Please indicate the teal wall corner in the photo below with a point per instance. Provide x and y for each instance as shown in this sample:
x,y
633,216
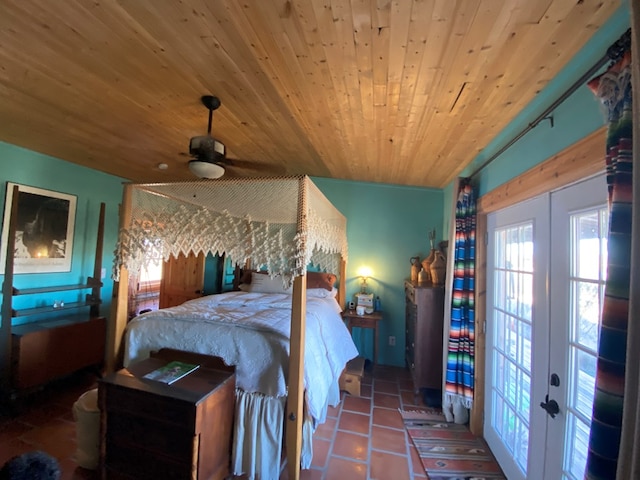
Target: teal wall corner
x,y
386,226
91,188
578,116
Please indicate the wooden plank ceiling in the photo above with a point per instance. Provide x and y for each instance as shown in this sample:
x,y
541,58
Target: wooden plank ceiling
x,y
402,92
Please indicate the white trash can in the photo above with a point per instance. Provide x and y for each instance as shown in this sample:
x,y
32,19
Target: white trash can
x,y
87,416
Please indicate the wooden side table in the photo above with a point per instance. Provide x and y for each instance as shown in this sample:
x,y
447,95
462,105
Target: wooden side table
x,y
368,320
153,430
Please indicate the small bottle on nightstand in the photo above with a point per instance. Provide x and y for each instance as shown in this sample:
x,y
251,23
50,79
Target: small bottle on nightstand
x,y
377,305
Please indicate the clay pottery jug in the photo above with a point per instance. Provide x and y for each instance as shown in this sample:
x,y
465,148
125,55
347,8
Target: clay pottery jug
x,y
438,268
415,268
426,264
423,277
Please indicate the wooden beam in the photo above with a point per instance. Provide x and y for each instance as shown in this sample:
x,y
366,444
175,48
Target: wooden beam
x,y
581,160
342,287
295,394
97,265
295,390
120,297
7,297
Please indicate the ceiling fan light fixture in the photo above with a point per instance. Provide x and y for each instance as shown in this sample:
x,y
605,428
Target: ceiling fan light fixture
x,y
204,169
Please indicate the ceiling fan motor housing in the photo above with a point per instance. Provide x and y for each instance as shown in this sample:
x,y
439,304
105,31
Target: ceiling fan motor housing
x,y
207,148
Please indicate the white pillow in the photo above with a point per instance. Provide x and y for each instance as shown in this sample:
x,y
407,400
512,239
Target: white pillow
x,y
261,283
322,292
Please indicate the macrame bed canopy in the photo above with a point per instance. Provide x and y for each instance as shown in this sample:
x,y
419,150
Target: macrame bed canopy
x,y
281,223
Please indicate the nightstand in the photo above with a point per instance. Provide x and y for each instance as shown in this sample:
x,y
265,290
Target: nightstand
x,y
368,320
152,430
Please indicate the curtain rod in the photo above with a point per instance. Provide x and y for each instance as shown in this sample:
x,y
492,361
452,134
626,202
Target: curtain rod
x,y
614,53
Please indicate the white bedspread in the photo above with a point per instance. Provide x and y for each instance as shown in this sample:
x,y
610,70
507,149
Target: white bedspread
x,y
250,331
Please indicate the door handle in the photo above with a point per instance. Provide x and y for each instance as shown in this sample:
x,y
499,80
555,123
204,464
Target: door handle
x,y
550,406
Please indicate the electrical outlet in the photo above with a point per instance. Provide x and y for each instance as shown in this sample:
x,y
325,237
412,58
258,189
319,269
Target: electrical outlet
x,y
103,273
392,340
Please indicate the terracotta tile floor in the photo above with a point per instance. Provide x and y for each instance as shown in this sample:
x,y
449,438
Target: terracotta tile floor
x,y
363,437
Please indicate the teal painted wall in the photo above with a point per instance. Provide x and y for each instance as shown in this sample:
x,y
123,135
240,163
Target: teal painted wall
x,y
386,225
91,188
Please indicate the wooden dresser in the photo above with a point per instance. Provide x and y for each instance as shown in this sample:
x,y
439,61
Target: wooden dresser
x,y
66,331
43,351
424,311
152,430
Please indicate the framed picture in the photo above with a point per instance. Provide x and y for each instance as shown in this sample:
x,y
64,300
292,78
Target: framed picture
x,y
44,230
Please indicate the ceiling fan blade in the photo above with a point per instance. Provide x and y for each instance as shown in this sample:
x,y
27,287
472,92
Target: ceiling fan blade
x,y
248,165
234,162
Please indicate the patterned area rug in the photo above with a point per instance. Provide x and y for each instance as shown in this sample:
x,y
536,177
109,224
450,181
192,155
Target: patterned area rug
x,y
449,451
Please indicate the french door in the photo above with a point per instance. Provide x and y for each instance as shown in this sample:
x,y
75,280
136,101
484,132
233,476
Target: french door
x,y
546,264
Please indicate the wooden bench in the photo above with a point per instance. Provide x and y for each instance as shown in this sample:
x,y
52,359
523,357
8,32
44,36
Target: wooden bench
x,y
351,378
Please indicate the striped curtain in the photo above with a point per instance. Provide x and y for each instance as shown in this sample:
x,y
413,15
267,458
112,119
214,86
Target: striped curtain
x,y
629,458
613,89
460,357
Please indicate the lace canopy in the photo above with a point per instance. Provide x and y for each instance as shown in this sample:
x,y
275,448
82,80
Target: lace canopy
x,y
281,223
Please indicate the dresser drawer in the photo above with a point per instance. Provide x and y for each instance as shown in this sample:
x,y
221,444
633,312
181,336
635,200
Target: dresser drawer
x,y
126,461
410,354
150,435
165,410
410,293
361,322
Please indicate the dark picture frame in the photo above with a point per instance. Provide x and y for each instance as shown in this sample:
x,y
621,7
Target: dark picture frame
x,y
44,233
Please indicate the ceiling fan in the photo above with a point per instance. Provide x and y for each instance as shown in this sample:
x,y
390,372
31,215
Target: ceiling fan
x,y
207,152
209,155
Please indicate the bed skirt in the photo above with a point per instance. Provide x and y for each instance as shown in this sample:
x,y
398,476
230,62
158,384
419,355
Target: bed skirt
x,y
258,437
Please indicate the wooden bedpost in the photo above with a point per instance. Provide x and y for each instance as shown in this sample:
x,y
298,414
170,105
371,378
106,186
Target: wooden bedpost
x,y
342,287
120,300
295,392
295,395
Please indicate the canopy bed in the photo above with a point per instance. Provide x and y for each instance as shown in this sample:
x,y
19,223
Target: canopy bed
x,y
283,225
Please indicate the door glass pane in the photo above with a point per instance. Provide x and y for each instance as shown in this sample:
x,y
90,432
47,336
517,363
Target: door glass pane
x,y
525,400
586,381
604,226
525,338
588,234
511,350
501,289
522,443
587,301
500,380
588,270
578,444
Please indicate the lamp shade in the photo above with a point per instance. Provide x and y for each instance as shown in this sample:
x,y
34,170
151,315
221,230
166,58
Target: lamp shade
x,y
365,272
206,169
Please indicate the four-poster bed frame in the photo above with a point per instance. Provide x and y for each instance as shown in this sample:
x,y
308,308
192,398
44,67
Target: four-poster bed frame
x,y
282,223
